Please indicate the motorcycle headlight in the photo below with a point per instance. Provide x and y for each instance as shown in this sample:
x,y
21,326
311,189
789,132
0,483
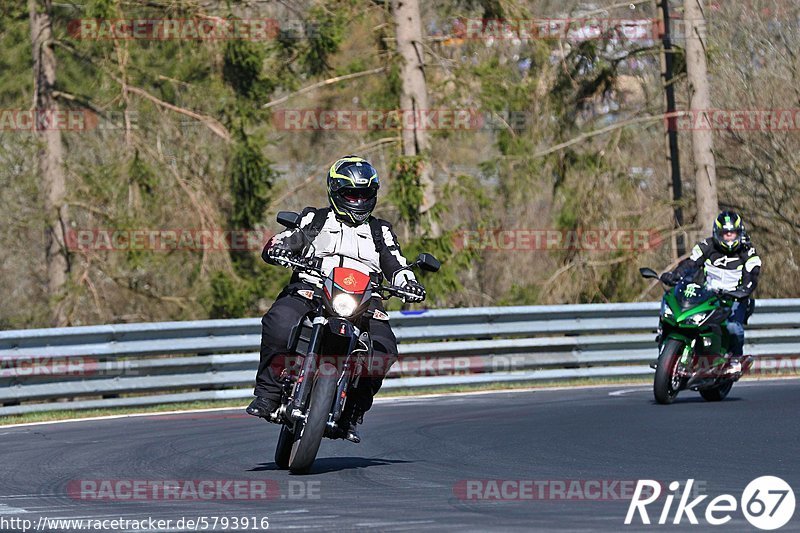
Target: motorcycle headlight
x,y
344,304
699,318
667,311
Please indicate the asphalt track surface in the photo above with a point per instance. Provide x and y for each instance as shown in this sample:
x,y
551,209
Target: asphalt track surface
x,y
410,471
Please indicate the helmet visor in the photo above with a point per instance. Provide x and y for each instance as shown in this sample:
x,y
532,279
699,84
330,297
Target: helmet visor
x,y
730,234
357,196
339,183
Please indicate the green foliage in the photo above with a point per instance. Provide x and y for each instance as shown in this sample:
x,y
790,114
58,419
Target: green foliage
x,y
101,9
16,45
406,192
388,97
575,194
231,296
252,177
470,187
617,281
328,27
445,283
141,174
522,294
242,69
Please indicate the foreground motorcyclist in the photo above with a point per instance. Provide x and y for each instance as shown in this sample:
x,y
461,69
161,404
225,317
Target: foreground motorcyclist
x,y
729,262
344,234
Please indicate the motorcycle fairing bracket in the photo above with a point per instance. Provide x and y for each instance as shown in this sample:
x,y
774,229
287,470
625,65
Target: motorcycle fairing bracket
x,y
294,334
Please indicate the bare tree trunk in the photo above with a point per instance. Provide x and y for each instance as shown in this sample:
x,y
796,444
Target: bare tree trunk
x,y
672,150
414,96
700,104
50,157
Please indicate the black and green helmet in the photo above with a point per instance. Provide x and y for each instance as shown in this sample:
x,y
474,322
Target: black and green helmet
x,y
728,222
353,189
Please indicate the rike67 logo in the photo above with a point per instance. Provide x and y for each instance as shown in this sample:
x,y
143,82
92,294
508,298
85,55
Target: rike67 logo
x,y
767,503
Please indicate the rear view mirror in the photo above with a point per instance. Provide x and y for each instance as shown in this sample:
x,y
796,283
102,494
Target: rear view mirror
x,y
648,273
428,263
289,219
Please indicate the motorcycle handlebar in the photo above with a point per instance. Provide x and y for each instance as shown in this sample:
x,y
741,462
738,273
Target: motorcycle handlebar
x,y
304,266
722,293
300,264
393,290
731,294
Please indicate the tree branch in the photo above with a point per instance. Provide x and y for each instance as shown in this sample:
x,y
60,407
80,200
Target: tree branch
x,y
323,83
602,131
210,123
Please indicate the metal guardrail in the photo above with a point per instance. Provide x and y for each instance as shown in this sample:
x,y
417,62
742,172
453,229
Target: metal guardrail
x,y
154,363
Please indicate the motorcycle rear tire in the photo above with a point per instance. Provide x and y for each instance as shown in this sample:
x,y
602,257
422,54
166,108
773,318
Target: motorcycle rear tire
x,y
718,393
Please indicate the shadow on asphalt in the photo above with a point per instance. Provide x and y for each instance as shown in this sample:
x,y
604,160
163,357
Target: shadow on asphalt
x,y
335,464
698,399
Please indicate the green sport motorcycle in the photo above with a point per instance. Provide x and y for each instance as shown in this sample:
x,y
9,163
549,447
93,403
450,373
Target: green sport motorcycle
x,y
693,341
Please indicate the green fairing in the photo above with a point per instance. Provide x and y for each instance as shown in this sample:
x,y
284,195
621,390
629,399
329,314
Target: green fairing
x,y
679,327
678,316
704,307
678,337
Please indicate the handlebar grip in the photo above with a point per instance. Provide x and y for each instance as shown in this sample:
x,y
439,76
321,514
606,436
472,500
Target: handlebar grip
x,y
392,291
299,263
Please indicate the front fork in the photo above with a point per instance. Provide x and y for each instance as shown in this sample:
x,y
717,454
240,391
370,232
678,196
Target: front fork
x,y
302,390
344,382
298,401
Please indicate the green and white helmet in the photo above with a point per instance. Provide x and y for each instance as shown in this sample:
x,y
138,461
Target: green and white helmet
x,y
353,189
728,222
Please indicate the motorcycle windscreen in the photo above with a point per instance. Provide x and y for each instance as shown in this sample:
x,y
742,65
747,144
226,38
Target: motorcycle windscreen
x,y
690,294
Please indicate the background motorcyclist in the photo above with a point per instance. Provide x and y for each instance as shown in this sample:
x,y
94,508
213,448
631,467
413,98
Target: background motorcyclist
x,y
729,262
344,234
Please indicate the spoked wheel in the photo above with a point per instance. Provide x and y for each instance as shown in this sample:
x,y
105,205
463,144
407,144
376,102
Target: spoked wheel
x,y
667,382
718,393
284,448
309,436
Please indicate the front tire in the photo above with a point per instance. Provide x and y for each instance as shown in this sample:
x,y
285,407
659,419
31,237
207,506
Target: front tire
x,y
309,436
718,393
666,384
283,450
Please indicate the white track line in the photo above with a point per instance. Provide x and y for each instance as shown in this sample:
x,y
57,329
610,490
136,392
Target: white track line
x,y
389,400
7,509
746,383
